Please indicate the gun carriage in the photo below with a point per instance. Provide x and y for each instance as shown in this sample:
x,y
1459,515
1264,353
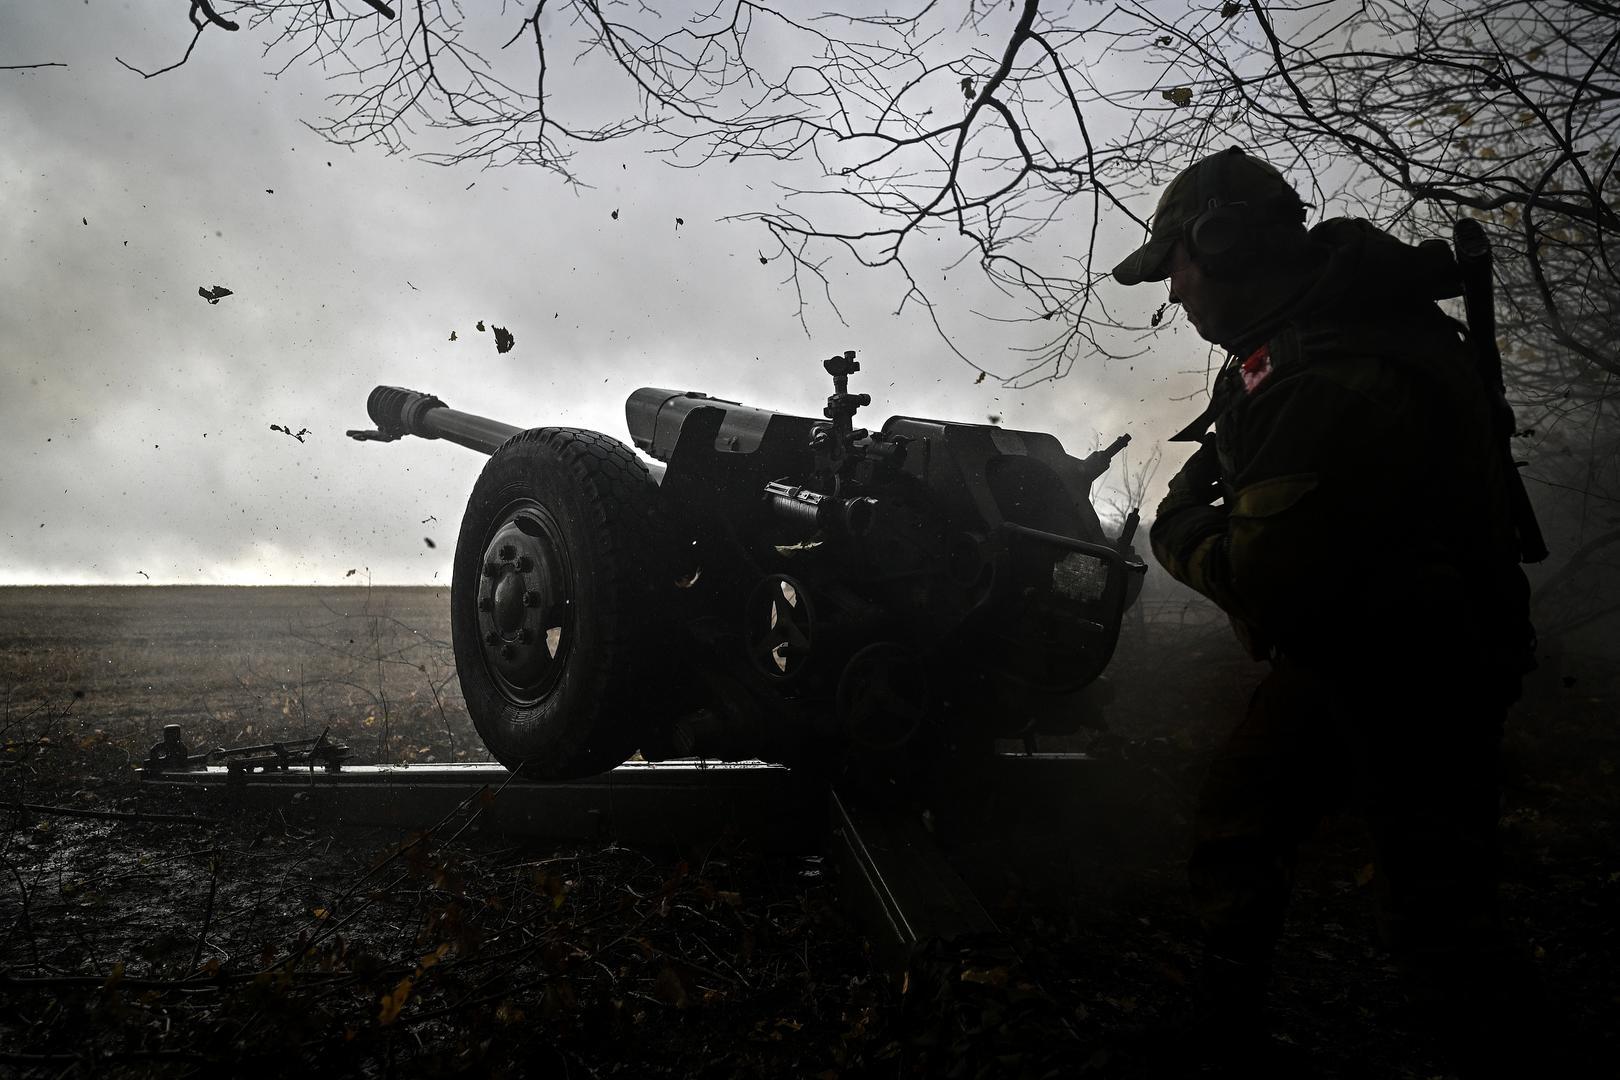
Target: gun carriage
x,y
771,585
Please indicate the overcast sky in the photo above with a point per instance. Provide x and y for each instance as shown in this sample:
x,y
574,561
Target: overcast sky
x,y
135,417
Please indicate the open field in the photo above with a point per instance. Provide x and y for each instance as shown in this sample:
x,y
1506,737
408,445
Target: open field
x,y
150,948
235,665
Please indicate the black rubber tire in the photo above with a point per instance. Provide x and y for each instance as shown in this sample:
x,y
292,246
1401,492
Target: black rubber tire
x,y
591,709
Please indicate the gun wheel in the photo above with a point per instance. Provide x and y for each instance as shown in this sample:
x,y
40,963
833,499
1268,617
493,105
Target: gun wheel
x,y
549,603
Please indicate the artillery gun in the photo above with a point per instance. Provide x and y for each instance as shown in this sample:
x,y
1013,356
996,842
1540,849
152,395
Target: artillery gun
x,y
772,586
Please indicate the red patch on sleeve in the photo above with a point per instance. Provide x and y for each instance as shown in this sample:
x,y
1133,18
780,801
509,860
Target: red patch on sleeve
x,y
1255,368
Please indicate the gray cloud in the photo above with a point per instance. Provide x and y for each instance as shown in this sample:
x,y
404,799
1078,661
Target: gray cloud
x,y
136,416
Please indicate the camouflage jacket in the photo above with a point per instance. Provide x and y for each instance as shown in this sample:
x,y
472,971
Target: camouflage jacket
x,y
1362,515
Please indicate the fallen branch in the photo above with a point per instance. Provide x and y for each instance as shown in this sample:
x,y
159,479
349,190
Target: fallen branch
x,y
188,1056
108,815
198,982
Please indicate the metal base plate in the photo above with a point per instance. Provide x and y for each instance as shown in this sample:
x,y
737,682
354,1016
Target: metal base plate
x,y
653,803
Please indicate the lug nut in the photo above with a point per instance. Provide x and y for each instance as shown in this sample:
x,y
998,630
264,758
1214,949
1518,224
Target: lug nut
x,y
507,553
525,635
492,638
524,564
493,569
507,652
485,604
531,599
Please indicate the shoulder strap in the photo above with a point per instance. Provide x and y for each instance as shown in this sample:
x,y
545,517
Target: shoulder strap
x,y
1219,401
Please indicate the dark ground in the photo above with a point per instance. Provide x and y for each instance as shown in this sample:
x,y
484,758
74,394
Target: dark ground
x,y
143,947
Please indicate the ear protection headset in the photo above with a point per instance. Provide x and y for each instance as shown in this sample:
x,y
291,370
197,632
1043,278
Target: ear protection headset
x,y
1223,233
1216,235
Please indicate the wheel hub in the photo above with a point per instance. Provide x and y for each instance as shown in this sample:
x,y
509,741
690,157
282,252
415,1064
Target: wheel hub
x,y
781,627
883,695
525,604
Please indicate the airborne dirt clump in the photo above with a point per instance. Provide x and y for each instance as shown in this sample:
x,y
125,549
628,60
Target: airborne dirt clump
x,y
145,945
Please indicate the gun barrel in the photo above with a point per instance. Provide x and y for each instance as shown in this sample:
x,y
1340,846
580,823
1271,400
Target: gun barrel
x,y
397,411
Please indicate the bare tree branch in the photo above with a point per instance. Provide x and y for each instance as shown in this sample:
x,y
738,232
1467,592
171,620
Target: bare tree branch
x,y
171,67
1005,144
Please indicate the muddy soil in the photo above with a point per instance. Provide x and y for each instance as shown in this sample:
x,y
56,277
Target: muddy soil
x,y
154,937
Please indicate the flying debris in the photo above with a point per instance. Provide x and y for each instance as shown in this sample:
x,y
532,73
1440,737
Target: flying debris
x,y
679,222
349,574
995,418
299,434
413,287
429,518
428,540
615,215
144,574
503,339
214,295
980,379
452,335
480,326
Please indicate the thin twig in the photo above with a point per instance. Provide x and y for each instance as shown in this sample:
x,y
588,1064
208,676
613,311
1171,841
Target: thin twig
x,y
171,67
27,921
208,912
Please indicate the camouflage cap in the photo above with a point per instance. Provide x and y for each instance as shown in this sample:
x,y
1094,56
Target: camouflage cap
x,y
1210,181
